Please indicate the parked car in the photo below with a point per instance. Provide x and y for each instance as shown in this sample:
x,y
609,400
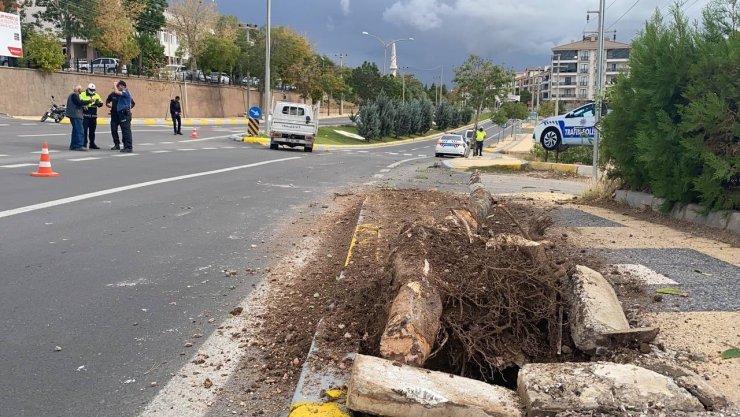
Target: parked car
x,y
196,76
105,65
575,128
253,82
172,72
451,145
469,136
219,78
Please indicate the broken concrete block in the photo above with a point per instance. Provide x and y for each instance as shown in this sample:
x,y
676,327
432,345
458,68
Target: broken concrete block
x,y
705,393
385,388
625,337
593,309
549,389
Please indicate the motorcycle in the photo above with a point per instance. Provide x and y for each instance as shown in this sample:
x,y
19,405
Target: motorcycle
x,y
57,112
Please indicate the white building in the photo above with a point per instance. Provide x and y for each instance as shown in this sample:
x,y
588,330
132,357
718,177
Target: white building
x,y
574,77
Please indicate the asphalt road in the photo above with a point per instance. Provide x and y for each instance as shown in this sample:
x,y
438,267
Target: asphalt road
x,y
119,260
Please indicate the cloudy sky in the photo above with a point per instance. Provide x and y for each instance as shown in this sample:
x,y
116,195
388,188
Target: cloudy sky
x,y
516,33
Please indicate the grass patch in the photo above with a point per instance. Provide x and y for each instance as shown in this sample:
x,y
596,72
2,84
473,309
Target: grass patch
x,y
421,177
601,190
328,136
581,155
494,169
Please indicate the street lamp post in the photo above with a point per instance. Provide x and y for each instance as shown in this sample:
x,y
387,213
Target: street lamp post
x,y
268,40
341,71
600,78
385,47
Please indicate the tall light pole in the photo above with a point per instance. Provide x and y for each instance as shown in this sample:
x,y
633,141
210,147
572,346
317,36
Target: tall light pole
x,y
599,87
341,71
268,40
385,47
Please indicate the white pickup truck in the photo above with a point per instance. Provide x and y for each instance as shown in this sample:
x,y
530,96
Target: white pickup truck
x,y
293,124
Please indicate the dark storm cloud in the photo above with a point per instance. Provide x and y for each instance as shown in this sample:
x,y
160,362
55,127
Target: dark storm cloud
x,y
517,33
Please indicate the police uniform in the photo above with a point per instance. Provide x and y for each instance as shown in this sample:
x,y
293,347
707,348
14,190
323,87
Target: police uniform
x,y
480,137
90,115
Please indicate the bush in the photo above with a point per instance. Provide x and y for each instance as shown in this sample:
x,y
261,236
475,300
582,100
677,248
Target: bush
x,y
44,51
445,116
426,116
674,128
368,121
573,155
386,114
403,120
466,115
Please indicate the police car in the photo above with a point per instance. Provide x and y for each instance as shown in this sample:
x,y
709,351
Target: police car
x,y
575,128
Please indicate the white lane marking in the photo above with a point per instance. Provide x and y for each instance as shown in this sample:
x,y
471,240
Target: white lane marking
x,y
125,154
363,151
408,154
81,197
186,149
399,163
392,153
228,147
29,124
645,274
162,151
208,149
203,139
145,144
421,155
4,125
3,155
43,135
92,158
17,165
385,170
50,151
166,143
378,175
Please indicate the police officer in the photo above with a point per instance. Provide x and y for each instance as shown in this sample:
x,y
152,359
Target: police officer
x,y
112,103
480,137
90,115
176,113
123,108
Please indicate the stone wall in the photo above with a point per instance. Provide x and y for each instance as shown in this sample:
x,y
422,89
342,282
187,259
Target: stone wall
x,y
26,92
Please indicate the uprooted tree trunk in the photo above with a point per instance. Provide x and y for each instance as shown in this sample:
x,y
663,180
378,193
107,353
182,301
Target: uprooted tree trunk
x,y
414,316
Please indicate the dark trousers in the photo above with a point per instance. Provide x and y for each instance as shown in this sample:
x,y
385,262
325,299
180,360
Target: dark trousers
x,y
478,148
90,124
114,123
124,119
78,140
176,122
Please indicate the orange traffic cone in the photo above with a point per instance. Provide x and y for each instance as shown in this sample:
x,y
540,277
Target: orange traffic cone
x,y
45,164
194,135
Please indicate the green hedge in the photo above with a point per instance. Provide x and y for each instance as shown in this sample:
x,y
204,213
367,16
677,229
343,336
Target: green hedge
x,y
674,128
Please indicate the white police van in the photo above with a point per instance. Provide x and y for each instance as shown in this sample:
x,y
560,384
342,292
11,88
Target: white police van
x,y
575,128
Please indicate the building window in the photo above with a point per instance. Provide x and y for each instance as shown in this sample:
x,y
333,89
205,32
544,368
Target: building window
x,y
622,53
584,69
584,81
583,93
584,55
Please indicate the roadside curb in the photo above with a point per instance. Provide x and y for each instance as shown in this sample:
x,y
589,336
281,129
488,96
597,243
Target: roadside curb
x,y
512,165
728,220
320,391
163,122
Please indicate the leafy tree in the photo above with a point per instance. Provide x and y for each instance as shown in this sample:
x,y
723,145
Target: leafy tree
x,y
404,120
415,112
547,109
42,49
151,18
288,48
466,115
192,21
8,6
482,82
386,113
115,28
218,54
365,81
368,121
151,55
426,116
517,111
674,126
444,116
525,96
70,18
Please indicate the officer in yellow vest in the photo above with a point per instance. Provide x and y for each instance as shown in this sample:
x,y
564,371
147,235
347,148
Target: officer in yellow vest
x,y
90,115
480,137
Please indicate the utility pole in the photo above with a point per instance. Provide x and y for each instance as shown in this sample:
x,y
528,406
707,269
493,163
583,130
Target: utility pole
x,y
600,76
341,71
268,40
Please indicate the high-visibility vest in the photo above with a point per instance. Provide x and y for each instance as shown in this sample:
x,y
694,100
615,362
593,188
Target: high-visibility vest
x,y
94,98
480,136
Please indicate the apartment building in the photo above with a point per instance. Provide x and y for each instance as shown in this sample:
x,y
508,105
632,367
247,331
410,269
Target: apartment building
x,y
536,81
574,75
